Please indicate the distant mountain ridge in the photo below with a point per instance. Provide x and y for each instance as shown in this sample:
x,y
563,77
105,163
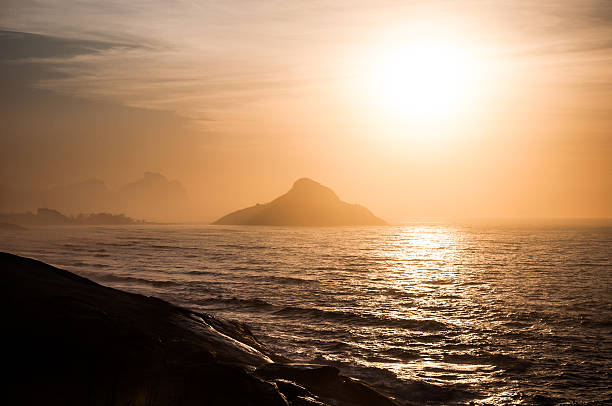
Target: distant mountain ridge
x,y
50,217
307,203
152,197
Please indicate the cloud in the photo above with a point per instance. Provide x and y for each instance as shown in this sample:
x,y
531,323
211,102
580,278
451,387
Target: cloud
x,y
182,57
203,59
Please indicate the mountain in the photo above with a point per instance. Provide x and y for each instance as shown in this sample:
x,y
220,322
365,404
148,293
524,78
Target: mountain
x,y
308,203
154,197
11,227
90,195
50,217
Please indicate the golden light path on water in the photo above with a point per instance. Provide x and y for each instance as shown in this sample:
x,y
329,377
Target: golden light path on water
x,y
441,248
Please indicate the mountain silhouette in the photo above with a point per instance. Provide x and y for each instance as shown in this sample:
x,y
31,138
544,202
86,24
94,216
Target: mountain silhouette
x,y
51,217
308,203
91,195
152,197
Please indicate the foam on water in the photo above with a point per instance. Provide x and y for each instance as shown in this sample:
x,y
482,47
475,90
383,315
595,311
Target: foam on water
x,y
427,313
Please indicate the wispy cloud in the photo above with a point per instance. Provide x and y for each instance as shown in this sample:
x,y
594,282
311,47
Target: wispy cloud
x,y
203,58
183,56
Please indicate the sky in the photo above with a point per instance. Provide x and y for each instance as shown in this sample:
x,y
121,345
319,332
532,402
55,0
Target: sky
x,y
439,109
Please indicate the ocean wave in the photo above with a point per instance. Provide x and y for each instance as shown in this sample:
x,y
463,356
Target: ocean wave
x,y
117,244
202,272
285,280
412,391
431,338
98,265
354,318
506,362
603,324
325,268
119,278
80,264
400,293
438,282
242,247
402,354
254,302
420,391
81,248
164,247
471,283
120,237
449,296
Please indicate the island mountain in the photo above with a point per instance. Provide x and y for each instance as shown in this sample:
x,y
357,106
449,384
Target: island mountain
x,y
308,203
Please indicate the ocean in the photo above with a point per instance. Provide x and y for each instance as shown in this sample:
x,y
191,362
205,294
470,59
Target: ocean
x,y
426,313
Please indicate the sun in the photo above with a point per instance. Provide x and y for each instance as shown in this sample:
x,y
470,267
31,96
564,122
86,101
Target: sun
x,y
423,79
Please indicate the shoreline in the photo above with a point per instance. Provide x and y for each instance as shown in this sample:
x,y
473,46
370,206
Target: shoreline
x,y
74,341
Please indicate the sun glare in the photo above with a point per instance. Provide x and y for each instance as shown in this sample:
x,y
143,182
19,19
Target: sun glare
x,y
423,80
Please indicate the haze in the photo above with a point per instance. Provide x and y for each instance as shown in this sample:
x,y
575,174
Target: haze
x,y
450,109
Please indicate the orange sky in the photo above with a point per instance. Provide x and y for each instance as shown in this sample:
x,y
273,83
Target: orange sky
x,y
454,109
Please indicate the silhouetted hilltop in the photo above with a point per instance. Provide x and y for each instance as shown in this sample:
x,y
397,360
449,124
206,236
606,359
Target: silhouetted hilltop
x,y
74,342
308,203
50,217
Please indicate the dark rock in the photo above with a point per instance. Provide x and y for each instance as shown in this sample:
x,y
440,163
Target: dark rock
x,y
291,390
307,401
298,371
326,382
70,341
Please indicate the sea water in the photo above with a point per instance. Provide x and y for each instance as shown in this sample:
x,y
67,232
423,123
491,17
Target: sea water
x,y
426,313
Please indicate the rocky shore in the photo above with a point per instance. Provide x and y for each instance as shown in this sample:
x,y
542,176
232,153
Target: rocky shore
x,y
70,341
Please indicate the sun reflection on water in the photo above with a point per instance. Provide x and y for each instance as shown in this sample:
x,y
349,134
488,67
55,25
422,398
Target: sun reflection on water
x,y
422,269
